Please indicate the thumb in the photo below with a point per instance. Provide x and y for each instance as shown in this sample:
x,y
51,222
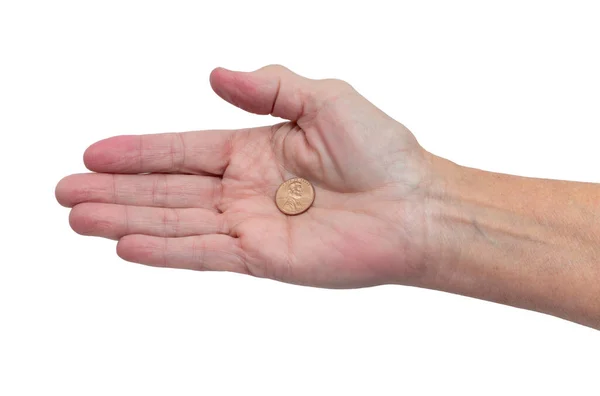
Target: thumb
x,y
273,90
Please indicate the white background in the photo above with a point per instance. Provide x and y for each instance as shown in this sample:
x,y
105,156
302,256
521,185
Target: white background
x,y
508,86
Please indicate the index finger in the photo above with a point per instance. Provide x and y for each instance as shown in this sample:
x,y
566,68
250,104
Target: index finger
x,y
200,152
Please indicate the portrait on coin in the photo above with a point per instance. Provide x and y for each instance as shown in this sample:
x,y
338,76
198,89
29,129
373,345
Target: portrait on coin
x,y
294,195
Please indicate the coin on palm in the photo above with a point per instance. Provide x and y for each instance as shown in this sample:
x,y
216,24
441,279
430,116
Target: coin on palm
x,y
295,196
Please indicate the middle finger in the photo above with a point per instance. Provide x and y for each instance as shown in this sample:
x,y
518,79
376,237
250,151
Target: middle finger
x,y
157,190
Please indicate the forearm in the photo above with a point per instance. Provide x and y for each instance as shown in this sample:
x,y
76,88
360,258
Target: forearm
x,y
530,243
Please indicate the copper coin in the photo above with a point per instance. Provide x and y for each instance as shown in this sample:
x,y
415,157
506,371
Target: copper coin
x,y
295,196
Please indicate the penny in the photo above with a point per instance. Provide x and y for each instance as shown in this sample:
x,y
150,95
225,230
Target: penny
x,y
295,196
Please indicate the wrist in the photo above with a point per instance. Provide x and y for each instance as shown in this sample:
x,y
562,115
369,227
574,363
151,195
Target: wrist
x,y
432,251
444,221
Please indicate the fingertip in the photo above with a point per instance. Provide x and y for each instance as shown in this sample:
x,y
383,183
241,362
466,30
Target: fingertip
x,y
71,190
216,74
77,220
108,155
222,82
249,91
121,248
61,192
137,248
92,153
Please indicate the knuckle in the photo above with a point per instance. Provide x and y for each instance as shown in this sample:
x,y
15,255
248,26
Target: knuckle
x,y
277,68
178,160
337,84
159,190
170,222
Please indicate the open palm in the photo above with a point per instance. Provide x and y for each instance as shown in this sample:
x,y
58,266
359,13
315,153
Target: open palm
x,y
205,200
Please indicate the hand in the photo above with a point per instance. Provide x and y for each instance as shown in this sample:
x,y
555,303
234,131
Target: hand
x,y
205,200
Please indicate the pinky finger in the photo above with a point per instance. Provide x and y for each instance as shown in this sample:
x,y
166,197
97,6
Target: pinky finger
x,y
214,252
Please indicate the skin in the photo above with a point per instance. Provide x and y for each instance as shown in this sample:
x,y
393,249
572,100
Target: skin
x,y
385,212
